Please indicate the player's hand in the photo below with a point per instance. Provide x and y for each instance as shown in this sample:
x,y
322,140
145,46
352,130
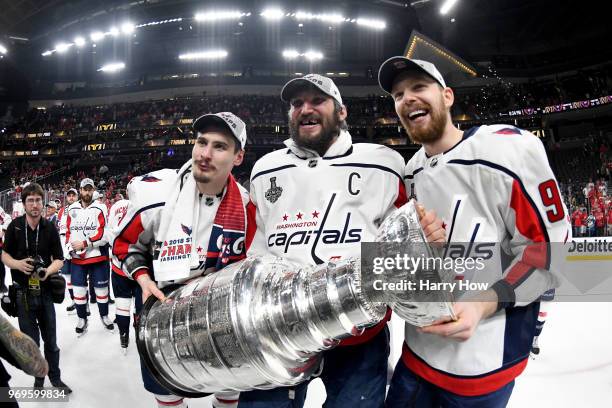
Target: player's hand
x,y
24,266
432,225
149,287
468,313
77,245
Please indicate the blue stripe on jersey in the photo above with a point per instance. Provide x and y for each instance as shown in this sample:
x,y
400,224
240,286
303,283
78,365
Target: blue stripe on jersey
x,y
411,176
368,166
261,173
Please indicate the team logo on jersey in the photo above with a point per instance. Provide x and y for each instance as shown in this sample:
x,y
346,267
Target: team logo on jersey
x,y
508,131
318,234
274,192
150,179
186,229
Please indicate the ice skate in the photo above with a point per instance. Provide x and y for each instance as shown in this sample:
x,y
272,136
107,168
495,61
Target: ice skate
x,y
125,341
81,327
108,324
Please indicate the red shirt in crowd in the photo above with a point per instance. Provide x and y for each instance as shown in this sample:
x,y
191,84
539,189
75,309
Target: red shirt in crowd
x,y
577,218
600,219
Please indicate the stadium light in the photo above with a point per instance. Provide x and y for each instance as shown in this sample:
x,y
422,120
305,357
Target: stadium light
x,y
114,31
290,54
127,28
272,14
46,53
79,41
370,23
206,55
62,47
3,49
218,15
328,18
313,55
448,4
96,36
112,67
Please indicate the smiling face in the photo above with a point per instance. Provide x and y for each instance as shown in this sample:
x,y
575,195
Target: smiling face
x,y
422,106
314,120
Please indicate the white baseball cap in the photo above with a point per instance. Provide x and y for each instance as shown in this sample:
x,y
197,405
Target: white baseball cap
x,y
52,204
322,83
228,119
391,68
87,182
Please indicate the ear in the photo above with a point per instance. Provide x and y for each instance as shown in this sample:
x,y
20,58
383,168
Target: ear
x,y
238,158
449,97
343,113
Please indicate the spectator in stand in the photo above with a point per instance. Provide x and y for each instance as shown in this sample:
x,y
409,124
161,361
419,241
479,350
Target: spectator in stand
x,y
600,221
52,213
577,219
590,225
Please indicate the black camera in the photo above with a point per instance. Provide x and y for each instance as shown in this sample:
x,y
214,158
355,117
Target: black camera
x,y
39,267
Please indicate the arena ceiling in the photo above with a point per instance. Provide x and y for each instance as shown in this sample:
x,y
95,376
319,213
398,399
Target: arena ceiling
x,y
518,37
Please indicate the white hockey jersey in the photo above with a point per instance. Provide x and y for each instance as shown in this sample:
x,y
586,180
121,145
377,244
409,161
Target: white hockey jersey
x,y
87,225
494,186
311,209
115,215
5,220
136,237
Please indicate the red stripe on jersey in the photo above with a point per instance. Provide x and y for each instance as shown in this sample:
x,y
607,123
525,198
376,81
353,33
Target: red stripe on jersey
x,y
402,197
68,219
251,223
117,270
101,297
88,261
128,236
101,225
535,255
80,298
462,385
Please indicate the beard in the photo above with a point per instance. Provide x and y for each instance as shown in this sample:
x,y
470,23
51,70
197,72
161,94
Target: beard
x,y
87,199
433,131
330,129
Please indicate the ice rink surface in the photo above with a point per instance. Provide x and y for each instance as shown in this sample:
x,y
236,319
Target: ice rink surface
x,y
574,368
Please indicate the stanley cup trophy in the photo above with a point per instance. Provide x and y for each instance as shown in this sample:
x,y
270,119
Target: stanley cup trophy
x,y
262,323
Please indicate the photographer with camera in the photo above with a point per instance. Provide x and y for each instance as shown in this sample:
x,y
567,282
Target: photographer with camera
x,y
33,252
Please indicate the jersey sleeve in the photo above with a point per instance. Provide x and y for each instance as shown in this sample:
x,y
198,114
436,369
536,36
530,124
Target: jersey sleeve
x,y
536,218
255,234
98,239
134,236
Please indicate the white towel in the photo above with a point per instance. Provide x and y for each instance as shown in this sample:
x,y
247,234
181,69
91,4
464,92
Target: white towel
x,y
179,221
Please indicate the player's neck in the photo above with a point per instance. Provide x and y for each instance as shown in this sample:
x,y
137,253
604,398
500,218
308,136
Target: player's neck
x,y
450,138
211,188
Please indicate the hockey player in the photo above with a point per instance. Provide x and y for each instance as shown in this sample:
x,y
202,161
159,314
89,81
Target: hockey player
x,y
313,202
87,246
182,224
66,271
125,289
490,184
